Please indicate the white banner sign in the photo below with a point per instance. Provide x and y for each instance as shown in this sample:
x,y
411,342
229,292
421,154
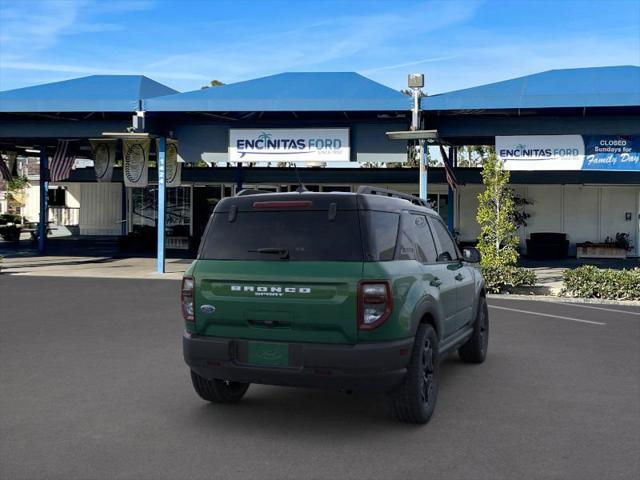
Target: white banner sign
x,y
289,145
104,157
541,152
173,166
136,162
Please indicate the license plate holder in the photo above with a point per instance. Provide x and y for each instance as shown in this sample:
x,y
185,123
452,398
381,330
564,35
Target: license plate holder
x,y
265,354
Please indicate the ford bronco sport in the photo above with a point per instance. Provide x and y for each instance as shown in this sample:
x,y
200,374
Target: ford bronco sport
x,y
358,291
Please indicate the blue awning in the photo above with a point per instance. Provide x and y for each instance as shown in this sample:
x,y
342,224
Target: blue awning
x,y
571,88
96,93
288,92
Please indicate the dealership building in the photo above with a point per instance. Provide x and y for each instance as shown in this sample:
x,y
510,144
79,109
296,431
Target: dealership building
x,y
571,139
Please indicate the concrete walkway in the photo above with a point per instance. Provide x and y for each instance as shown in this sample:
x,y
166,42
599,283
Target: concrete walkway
x,y
549,278
94,267
549,275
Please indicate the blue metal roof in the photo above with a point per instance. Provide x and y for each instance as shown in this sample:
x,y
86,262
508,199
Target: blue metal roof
x,y
96,93
576,87
288,92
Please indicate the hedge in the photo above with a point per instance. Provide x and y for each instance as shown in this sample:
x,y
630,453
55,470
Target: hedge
x,y
499,278
591,282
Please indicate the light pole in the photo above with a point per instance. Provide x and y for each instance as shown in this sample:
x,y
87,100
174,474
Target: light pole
x,y
416,83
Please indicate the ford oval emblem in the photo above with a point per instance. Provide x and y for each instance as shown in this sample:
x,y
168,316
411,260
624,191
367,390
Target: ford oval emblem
x,y
207,309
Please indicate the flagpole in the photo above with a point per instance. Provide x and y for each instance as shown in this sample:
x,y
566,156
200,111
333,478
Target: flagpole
x,y
44,200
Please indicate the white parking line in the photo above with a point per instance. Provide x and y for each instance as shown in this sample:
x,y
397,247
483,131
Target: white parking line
x,y
597,308
547,315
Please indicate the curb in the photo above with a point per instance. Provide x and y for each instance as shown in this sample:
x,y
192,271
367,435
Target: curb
x,y
555,299
534,290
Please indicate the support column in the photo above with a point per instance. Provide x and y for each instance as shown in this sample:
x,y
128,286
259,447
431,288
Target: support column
x,y
239,176
423,169
44,200
162,190
124,211
453,157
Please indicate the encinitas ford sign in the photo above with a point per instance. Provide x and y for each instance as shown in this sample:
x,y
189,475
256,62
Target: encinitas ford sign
x,y
289,145
541,152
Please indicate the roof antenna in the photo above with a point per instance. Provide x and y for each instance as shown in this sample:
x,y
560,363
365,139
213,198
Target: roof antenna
x,y
301,188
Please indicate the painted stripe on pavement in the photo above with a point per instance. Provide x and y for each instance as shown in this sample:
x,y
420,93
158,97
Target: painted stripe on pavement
x,y
598,308
547,315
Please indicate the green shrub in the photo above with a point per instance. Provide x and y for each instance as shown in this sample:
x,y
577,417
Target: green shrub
x,y
592,282
501,277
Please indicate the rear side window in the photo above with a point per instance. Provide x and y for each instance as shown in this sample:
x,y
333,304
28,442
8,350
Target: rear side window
x,y
406,246
284,235
424,240
447,250
381,232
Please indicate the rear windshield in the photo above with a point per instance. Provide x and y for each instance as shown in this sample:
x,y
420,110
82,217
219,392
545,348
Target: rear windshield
x,y
284,235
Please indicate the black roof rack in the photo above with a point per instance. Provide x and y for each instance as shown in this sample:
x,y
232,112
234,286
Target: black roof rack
x,y
365,189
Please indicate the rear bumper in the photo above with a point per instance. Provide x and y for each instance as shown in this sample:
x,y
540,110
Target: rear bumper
x,y
368,367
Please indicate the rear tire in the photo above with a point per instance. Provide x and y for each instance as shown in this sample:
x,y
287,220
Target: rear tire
x,y
218,391
475,349
415,400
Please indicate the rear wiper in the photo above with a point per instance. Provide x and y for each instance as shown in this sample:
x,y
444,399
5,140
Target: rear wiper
x,y
283,252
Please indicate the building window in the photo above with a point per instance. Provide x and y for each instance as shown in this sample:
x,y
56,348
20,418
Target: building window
x,y
57,197
440,203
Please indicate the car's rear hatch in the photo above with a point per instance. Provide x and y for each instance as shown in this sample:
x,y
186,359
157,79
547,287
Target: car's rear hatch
x,y
282,268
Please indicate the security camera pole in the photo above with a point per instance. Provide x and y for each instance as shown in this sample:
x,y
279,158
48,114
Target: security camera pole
x,y
416,83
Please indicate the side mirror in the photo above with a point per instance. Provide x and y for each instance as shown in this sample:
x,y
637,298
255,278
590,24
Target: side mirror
x,y
471,255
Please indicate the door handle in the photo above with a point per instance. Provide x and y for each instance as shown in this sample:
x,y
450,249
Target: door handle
x,y
459,277
435,282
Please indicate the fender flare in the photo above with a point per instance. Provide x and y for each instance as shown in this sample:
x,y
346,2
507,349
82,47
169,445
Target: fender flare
x,y
428,307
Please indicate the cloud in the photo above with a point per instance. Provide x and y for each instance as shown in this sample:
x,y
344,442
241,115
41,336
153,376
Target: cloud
x,y
30,27
383,42
496,58
409,64
354,41
90,70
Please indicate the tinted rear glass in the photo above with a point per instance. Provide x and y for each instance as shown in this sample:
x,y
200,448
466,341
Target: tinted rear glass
x,y
304,235
382,228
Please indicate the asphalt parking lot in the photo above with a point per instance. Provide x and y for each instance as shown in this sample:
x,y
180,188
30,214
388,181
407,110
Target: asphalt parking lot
x,y
93,386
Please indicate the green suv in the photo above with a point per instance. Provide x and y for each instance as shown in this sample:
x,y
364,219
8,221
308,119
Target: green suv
x,y
361,291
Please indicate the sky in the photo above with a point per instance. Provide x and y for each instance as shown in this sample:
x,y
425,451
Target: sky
x,y
185,44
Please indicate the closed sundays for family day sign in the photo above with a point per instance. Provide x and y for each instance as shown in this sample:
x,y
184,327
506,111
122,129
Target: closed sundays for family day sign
x,y
289,145
569,152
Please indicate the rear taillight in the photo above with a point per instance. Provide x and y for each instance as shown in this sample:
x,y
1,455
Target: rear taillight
x,y
186,298
375,304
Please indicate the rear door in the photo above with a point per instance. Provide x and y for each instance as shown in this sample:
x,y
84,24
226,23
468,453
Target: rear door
x,y
463,276
281,273
437,274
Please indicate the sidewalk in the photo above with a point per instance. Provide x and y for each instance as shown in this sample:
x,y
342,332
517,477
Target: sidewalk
x,y
549,277
98,267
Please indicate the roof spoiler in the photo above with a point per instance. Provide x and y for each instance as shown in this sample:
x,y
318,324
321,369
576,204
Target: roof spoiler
x,y
368,190
251,191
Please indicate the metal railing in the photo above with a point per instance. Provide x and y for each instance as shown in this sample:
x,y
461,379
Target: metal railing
x,y
64,215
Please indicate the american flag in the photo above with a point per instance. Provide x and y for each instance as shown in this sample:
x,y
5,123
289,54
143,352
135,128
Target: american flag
x,y
448,169
62,161
5,172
